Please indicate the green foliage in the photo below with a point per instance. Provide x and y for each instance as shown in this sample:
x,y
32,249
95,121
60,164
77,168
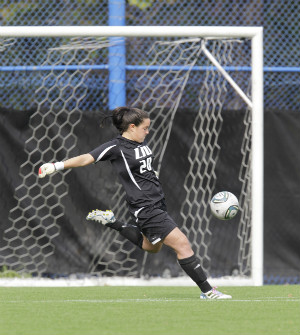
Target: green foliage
x,y
6,273
145,4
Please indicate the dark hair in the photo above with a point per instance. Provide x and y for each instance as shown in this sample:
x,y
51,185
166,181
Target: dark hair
x,y
124,116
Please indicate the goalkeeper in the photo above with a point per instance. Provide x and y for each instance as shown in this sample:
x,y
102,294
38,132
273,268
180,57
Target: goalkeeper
x,y
131,158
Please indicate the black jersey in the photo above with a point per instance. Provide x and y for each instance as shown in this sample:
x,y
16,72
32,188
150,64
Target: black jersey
x,y
133,163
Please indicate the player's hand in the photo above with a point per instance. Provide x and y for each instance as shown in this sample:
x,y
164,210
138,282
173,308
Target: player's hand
x,y
45,169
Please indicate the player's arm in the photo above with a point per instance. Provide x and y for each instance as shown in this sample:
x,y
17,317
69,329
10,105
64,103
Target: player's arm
x,y
78,161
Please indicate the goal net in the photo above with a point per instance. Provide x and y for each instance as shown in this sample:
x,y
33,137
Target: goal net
x,y
203,90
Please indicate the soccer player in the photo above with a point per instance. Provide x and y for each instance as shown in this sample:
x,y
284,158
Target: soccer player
x,y
131,158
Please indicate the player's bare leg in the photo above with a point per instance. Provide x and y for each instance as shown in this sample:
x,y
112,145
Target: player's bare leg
x,y
179,243
149,247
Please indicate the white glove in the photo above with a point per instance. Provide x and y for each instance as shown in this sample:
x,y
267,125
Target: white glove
x,y
49,168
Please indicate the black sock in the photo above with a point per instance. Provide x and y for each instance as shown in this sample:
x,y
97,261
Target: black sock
x,y
129,231
193,269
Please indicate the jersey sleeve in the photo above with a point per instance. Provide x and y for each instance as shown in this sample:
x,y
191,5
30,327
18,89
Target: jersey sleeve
x,y
106,151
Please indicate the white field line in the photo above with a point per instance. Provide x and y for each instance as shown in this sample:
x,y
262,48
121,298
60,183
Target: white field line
x,y
104,301
117,281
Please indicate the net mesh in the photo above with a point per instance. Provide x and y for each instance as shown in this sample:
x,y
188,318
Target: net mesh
x,y
171,72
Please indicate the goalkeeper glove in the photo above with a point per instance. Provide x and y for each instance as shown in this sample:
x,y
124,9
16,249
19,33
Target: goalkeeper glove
x,y
50,168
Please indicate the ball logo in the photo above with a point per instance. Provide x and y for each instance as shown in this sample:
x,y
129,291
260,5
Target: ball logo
x,y
220,197
231,212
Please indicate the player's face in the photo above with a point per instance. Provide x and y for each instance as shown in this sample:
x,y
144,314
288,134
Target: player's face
x,y
141,131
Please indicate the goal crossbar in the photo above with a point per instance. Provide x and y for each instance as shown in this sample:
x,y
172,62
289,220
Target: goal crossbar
x,y
129,31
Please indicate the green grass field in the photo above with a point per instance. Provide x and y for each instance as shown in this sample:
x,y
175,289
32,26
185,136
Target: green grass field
x,y
148,310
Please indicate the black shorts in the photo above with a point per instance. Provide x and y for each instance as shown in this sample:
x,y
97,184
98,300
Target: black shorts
x,y
154,222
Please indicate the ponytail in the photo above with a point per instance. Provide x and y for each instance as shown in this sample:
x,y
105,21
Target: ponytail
x,y
103,120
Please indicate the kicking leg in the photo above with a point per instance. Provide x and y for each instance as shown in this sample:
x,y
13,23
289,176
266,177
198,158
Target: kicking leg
x,y
127,230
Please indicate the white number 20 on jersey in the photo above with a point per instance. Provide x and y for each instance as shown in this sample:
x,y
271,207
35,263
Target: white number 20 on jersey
x,y
146,164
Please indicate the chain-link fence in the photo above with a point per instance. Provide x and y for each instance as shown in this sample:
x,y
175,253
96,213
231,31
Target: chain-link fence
x,y
280,19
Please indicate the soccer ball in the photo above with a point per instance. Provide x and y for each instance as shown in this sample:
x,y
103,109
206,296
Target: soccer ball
x,y
224,205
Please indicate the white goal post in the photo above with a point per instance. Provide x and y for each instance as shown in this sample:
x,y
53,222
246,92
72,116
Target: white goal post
x,y
254,103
